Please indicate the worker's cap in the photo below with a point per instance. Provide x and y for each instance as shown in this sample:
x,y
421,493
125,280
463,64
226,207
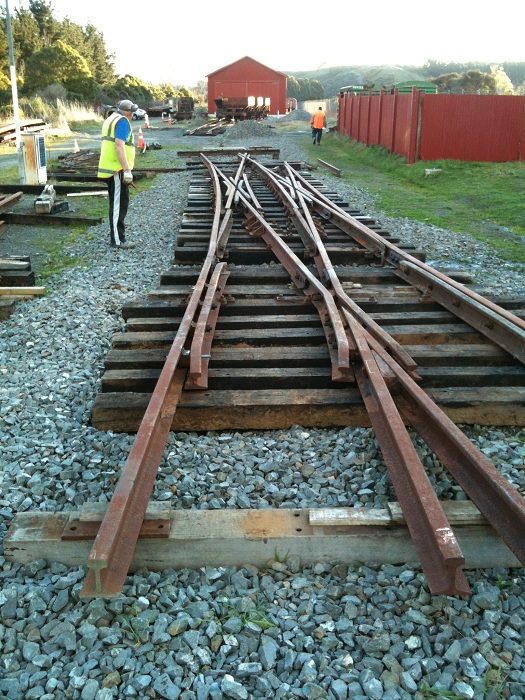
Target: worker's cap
x,y
127,106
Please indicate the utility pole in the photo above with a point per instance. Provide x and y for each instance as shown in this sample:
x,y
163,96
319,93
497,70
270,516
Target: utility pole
x,y
14,92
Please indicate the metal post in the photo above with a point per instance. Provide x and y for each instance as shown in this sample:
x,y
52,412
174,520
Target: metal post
x,y
14,91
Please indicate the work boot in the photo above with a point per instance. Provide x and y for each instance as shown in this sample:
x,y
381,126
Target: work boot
x,y
124,246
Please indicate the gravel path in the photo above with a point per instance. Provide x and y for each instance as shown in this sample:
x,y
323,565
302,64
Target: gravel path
x,y
287,631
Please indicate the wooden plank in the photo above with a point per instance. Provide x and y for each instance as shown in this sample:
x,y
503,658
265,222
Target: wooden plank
x,y
247,274
250,376
415,334
457,512
13,264
390,301
37,189
252,254
22,291
158,323
246,378
18,278
91,193
50,220
332,168
510,376
24,125
276,409
281,356
236,537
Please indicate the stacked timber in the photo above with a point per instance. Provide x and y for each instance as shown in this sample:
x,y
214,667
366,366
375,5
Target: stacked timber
x,y
8,131
17,282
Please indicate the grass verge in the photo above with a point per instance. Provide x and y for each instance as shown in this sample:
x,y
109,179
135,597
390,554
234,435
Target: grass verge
x,y
484,200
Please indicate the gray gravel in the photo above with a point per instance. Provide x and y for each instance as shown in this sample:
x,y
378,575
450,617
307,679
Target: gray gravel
x,y
286,631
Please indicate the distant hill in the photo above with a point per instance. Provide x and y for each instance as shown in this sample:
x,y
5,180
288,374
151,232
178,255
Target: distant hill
x,y
332,79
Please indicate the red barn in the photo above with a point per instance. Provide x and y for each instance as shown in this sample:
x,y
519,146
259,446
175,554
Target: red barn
x,y
250,79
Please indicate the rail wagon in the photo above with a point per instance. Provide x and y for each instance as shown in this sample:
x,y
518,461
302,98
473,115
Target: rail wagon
x,y
240,108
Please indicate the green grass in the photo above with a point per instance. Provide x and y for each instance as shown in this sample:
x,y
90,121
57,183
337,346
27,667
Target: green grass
x,y
9,173
57,258
485,200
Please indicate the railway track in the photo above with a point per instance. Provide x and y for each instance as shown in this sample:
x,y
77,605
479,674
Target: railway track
x,y
285,306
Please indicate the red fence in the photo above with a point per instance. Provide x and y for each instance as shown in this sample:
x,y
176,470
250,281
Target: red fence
x,y
420,126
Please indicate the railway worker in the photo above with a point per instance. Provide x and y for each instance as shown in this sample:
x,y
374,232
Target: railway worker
x,y
318,123
117,158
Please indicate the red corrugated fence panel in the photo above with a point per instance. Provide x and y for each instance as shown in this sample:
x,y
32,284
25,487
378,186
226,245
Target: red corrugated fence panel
x,y
472,127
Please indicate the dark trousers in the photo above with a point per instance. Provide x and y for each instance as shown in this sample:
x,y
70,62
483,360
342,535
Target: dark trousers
x,y
118,195
316,135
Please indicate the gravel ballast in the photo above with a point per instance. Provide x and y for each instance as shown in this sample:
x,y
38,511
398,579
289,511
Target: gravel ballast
x,y
284,631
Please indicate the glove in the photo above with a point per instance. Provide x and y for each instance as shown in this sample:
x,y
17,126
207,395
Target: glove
x,y
127,177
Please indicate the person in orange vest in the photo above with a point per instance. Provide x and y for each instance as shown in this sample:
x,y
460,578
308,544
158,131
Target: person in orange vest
x,y
318,123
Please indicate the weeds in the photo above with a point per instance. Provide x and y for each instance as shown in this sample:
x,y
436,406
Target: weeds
x,y
426,693
127,624
281,558
257,615
58,113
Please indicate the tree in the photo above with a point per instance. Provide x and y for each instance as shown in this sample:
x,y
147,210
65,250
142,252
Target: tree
x,y
201,91
60,63
304,88
26,38
447,82
48,26
132,88
474,81
502,82
292,87
515,71
99,60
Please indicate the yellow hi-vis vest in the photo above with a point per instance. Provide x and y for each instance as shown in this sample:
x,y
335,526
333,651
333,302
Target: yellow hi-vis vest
x,y
108,163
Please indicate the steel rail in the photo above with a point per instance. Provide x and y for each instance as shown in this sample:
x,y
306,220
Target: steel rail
x,y
499,501
499,325
231,199
381,247
112,552
438,550
440,555
435,543
305,280
205,328
314,246
495,497
328,274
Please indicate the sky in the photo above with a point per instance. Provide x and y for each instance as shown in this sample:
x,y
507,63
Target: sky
x,y
181,42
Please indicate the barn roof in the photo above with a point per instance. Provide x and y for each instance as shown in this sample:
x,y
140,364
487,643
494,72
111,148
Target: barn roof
x,y
249,59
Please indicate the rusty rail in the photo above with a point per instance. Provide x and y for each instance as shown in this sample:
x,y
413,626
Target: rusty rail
x,y
359,350
499,325
433,538
205,328
112,551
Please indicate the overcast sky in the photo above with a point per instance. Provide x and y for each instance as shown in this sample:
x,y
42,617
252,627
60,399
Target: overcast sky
x,y
181,42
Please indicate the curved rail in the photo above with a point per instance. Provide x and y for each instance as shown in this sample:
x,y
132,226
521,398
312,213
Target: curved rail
x,y
112,551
